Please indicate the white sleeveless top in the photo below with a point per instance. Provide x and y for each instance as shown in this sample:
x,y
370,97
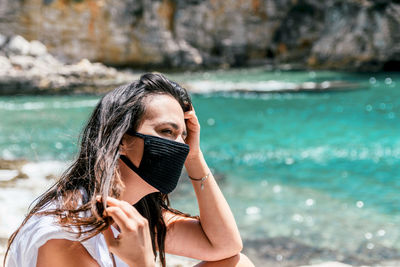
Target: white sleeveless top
x,y
40,229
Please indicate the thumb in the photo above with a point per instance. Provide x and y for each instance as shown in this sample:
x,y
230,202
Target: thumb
x,y
110,239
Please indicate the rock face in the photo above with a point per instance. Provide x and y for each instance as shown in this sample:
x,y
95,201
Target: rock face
x,y
338,34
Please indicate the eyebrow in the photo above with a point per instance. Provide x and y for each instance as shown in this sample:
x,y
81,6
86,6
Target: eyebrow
x,y
173,124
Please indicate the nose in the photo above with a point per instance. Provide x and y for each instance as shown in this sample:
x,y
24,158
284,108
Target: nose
x,y
180,139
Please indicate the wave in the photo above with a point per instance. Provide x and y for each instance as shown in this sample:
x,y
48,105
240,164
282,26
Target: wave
x,y
320,154
229,86
270,86
44,105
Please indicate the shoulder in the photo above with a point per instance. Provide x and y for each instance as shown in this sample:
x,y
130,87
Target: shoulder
x,y
33,234
63,252
42,236
37,231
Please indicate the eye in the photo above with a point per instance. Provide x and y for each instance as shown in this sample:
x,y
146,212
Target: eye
x,y
167,131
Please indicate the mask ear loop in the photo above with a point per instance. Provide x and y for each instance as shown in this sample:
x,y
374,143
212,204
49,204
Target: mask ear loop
x,y
131,132
124,158
129,163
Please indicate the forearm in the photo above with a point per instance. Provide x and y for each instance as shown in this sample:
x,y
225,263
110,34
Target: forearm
x,y
216,217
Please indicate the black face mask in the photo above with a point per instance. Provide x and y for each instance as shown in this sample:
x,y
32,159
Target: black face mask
x,y
161,163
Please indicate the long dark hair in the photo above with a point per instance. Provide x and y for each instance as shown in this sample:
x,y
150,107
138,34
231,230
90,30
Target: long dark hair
x,y
95,170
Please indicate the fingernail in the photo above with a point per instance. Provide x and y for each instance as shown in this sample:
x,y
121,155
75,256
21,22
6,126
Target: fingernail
x,y
98,198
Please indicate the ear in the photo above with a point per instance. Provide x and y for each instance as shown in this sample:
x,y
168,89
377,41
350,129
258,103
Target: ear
x,y
123,146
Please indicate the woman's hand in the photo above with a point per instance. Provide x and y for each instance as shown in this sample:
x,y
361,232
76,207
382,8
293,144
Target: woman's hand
x,y
133,244
193,137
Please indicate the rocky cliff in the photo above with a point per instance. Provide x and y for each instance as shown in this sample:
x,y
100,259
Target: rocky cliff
x,y
336,34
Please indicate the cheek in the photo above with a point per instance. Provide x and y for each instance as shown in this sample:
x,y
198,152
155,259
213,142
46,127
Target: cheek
x,y
135,152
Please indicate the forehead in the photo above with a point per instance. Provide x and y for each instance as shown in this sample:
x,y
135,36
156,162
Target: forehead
x,y
160,108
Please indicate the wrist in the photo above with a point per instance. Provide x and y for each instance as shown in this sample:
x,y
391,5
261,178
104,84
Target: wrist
x,y
194,158
196,167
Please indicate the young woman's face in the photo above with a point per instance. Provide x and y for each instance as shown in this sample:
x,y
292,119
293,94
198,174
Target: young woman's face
x,y
164,118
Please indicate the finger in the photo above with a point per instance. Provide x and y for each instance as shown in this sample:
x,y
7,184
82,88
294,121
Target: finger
x,y
130,210
193,121
127,208
189,115
192,124
120,218
109,237
112,201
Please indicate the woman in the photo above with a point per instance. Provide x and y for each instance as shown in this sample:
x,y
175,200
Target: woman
x,y
111,207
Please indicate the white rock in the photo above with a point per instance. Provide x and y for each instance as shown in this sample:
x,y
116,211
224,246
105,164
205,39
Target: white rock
x,y
37,49
7,175
23,62
19,45
51,61
3,40
5,64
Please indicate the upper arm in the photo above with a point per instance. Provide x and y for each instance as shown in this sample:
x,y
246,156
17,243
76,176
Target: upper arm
x,y
64,253
185,237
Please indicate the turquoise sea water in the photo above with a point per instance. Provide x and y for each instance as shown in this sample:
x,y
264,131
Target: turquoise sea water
x,y
321,168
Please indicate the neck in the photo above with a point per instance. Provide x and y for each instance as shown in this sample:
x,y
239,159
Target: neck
x,y
135,187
